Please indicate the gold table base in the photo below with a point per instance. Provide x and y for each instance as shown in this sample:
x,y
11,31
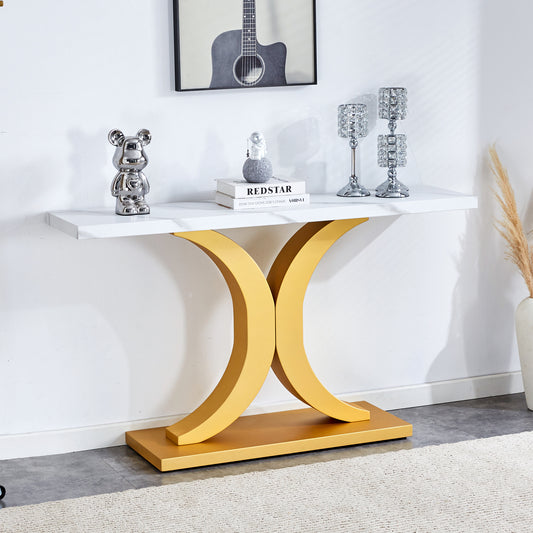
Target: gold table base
x,y
268,333
267,435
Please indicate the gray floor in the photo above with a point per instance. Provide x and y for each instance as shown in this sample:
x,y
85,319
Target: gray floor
x,y
72,475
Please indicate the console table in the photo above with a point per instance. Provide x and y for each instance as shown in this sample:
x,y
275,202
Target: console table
x,y
268,327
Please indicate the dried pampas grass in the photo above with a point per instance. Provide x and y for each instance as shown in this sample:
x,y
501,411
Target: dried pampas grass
x,y
510,226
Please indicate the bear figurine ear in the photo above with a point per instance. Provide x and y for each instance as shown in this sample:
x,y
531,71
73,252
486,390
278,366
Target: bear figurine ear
x,y
116,137
145,137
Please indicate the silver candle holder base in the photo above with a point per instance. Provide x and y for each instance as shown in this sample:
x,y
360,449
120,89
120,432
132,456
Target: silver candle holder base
x,y
353,189
392,188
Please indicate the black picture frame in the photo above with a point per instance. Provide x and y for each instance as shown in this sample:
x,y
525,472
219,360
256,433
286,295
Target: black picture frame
x,y
210,53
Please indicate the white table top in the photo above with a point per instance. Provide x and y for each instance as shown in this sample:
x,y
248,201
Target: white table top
x,y
195,216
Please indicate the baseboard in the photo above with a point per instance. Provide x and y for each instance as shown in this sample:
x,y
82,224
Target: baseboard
x,y
87,438
453,390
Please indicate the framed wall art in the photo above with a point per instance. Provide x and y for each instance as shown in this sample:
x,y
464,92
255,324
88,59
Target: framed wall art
x,y
230,44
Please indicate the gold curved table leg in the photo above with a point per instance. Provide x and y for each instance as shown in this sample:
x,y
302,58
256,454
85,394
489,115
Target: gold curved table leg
x,y
288,279
261,326
253,346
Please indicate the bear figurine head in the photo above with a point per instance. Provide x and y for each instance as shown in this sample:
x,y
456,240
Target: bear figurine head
x,y
130,154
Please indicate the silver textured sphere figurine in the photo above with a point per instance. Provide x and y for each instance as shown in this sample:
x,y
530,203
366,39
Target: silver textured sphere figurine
x,y
130,184
392,148
353,124
257,168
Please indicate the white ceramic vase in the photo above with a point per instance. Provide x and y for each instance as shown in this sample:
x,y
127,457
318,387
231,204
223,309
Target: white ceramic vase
x,y
524,335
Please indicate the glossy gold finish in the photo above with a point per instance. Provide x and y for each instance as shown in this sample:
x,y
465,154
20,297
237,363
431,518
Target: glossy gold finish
x,y
266,435
266,334
288,280
253,346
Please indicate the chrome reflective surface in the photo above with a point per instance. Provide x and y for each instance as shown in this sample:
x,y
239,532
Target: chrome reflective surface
x,y
353,124
130,185
392,148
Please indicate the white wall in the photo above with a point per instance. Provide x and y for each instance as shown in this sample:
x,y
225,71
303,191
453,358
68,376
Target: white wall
x,y
108,334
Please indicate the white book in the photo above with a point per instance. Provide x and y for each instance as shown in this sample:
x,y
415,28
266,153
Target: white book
x,y
259,202
240,188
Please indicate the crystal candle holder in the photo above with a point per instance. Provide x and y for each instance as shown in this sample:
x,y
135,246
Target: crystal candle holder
x,y
353,125
392,148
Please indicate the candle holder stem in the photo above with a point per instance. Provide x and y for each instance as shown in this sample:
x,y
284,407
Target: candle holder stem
x,y
354,147
353,188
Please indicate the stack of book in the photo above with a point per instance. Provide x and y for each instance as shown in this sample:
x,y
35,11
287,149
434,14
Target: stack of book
x,y
276,192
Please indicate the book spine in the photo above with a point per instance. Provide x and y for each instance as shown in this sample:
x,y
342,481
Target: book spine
x,y
251,190
290,200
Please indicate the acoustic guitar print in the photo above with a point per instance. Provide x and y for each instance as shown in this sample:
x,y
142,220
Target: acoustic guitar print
x,y
240,61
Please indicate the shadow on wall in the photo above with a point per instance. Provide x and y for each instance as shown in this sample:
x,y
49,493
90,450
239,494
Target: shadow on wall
x,y
344,252
484,299
371,102
203,293
200,186
89,181
480,330
297,145
106,316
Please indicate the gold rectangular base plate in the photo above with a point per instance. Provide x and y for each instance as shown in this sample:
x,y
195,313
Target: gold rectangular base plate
x,y
267,435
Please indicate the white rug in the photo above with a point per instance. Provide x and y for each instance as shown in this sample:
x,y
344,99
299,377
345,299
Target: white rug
x,y
475,486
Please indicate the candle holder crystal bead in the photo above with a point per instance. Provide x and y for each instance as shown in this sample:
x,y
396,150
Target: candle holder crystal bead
x,y
392,148
353,125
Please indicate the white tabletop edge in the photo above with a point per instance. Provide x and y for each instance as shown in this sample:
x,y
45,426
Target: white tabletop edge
x,y
197,216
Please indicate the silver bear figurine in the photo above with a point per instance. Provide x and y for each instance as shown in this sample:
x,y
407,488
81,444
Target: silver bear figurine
x,y
130,184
